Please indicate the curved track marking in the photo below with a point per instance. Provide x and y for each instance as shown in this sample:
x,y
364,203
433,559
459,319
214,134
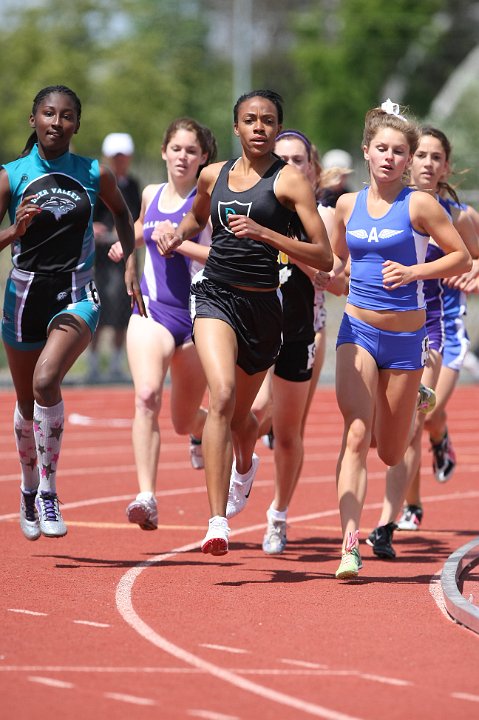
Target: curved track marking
x,y
125,608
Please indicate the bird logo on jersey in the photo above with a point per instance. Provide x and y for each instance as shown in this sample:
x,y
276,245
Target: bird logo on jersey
x,y
232,208
58,206
374,236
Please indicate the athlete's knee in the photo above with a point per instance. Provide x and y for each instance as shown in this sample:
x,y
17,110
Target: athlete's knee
x,y
222,400
390,454
148,400
46,384
358,438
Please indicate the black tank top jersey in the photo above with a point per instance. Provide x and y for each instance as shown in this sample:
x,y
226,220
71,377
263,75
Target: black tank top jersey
x,y
298,304
298,295
242,261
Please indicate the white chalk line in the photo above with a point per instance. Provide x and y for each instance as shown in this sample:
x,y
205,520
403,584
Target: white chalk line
x,y
126,610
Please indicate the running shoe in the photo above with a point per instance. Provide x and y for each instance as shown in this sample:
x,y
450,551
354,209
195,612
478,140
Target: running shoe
x,y
426,401
143,511
196,453
240,488
49,515
411,518
381,541
351,562
29,522
444,459
216,539
274,541
268,439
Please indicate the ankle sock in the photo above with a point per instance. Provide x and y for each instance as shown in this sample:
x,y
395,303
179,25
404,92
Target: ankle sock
x,y
277,515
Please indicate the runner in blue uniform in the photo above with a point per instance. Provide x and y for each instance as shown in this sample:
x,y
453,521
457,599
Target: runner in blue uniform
x,y
429,166
382,341
51,305
236,311
434,149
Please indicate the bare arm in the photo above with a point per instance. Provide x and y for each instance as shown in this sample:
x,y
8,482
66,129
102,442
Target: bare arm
x,y
195,219
25,213
464,224
428,217
294,191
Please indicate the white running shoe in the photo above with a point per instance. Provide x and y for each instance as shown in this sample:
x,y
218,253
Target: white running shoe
x,y
274,541
49,515
240,487
29,522
144,512
196,454
411,518
216,539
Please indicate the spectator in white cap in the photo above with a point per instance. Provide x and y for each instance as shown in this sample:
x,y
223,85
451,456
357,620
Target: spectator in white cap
x,y
337,165
117,151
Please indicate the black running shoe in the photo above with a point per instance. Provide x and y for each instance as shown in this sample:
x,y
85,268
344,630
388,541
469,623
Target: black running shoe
x,y
444,459
381,541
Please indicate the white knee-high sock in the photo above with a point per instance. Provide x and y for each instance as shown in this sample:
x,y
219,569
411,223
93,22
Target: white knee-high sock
x,y
27,453
48,425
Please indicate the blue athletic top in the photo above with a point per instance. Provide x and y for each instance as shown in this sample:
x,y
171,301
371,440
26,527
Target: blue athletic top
x,y
372,241
454,300
60,238
243,261
166,280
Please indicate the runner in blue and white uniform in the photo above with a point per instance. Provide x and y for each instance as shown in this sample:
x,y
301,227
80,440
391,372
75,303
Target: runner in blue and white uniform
x,y
382,342
429,165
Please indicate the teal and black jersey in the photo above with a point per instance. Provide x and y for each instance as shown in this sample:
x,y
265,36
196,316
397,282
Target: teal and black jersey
x,y
60,238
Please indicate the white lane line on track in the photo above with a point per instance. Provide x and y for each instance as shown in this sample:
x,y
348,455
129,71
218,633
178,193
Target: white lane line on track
x,y
225,648
264,672
27,612
125,607
347,673
304,664
86,420
208,715
91,623
51,682
200,490
132,699
465,696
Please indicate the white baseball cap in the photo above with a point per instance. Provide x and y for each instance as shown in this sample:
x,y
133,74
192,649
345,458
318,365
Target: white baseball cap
x,y
117,144
337,158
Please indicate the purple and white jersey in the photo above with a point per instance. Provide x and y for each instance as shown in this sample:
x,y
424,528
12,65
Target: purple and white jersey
x,y
166,280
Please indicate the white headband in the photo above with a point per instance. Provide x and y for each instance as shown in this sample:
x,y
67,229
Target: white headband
x,y
392,108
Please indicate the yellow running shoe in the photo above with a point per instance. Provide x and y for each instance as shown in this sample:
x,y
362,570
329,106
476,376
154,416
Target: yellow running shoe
x,y
426,399
351,562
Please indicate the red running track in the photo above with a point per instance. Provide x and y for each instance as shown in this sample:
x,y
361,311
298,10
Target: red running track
x,y
111,621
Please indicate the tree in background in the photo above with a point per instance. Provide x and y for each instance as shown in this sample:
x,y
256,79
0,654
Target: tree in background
x,y
138,63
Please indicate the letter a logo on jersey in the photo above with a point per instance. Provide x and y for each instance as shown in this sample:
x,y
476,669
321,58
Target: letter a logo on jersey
x,y
232,208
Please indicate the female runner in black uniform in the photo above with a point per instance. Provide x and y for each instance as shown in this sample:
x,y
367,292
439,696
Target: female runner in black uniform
x,y
235,306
